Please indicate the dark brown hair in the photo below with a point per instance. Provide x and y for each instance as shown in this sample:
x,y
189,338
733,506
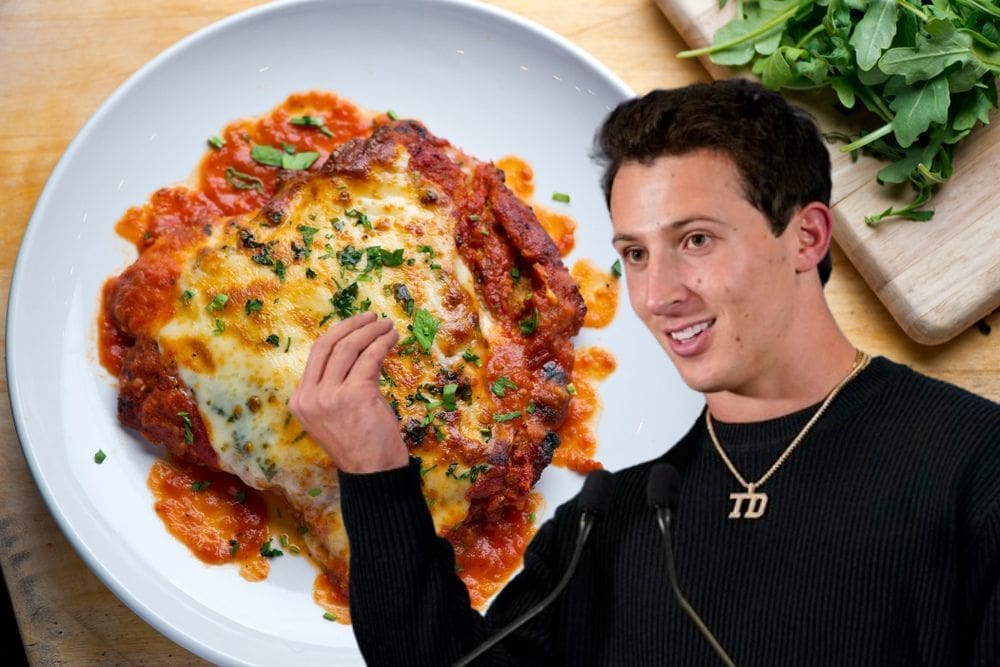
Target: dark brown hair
x,y
775,145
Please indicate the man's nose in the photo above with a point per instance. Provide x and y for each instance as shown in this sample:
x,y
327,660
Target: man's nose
x,y
665,288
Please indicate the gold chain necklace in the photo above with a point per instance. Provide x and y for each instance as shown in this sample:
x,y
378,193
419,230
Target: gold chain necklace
x,y
756,502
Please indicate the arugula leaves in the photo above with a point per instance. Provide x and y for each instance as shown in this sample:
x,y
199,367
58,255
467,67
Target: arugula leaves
x,y
926,70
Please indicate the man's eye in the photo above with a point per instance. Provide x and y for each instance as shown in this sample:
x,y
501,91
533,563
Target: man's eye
x,y
635,255
697,240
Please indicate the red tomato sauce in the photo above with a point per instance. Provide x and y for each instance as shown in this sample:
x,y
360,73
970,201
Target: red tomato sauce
x,y
487,554
218,517
576,436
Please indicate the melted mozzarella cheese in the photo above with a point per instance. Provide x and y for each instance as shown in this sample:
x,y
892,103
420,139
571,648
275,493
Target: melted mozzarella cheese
x,y
255,296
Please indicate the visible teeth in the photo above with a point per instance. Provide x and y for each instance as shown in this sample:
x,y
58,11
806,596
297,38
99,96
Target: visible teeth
x,y
690,332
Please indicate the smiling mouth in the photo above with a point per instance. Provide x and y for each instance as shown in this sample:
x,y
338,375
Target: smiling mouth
x,y
688,333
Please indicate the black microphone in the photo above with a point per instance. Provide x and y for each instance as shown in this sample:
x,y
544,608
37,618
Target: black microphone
x,y
663,490
593,501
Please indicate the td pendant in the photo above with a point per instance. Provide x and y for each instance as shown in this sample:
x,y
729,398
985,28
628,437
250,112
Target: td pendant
x,y
748,504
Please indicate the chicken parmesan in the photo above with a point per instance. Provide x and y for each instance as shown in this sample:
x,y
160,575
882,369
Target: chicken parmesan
x,y
209,330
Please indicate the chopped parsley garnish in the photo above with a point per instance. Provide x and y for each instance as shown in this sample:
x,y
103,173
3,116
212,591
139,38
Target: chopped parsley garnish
x,y
486,434
571,389
310,273
186,296
448,396
362,219
241,497
472,358
425,326
616,269
283,159
99,456
242,181
315,491
273,340
428,250
312,121
328,616
200,485
501,385
267,551
515,273
560,196
378,256
279,269
307,237
220,327
531,408
216,142
343,301
234,546
392,115
506,416
529,325
349,257
253,306
218,302
186,421
288,346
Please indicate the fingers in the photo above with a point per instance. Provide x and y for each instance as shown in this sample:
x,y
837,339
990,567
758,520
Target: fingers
x,y
369,363
321,349
347,350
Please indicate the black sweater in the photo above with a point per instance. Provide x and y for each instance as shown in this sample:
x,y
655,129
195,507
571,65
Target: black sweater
x,y
880,546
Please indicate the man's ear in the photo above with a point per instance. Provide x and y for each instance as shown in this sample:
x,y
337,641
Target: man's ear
x,y
814,232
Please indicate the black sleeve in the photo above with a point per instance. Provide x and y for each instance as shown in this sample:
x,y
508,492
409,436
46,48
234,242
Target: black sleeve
x,y
408,607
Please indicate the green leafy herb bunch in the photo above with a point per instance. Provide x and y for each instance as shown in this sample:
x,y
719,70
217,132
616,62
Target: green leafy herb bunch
x,y
928,71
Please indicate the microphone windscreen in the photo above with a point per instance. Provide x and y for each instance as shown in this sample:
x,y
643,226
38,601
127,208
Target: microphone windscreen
x,y
595,496
664,486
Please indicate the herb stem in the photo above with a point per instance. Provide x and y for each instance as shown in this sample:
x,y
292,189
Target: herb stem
x,y
913,10
979,6
750,36
809,35
868,138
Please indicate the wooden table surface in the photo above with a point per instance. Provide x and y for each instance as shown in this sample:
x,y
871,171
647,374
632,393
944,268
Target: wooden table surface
x,y
59,61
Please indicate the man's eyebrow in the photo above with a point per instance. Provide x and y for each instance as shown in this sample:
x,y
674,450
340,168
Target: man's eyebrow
x,y
676,224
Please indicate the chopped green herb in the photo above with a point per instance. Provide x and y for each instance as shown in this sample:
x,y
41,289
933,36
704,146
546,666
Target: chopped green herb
x,y
531,408
571,389
299,161
283,539
288,345
515,273
616,269
266,155
472,358
310,273
273,340
362,219
392,115
560,196
474,218
501,385
186,296
448,396
253,306
234,546
486,434
241,497
200,485
307,237
424,471
220,327
315,491
343,301
279,269
425,327
529,325
267,551
218,302
328,616
241,181
188,431
312,121
506,416
216,142
99,456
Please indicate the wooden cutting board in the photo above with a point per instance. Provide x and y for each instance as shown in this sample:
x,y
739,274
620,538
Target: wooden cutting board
x,y
936,278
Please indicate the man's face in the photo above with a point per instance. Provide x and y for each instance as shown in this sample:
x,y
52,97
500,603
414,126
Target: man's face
x,y
705,272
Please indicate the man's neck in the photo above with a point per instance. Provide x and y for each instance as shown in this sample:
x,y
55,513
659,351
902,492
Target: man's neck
x,y
800,375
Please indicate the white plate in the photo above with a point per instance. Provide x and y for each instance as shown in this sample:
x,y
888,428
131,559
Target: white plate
x,y
489,81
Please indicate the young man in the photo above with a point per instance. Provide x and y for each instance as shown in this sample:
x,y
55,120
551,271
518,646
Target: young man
x,y
834,510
